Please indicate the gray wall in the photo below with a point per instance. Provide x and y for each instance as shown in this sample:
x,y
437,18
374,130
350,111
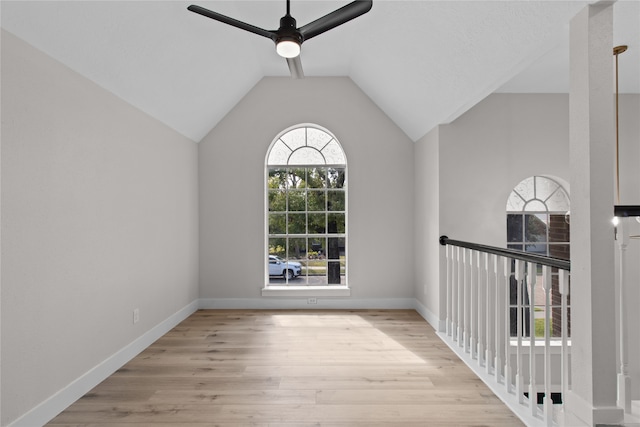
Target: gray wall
x,y
99,216
487,151
481,157
427,225
380,174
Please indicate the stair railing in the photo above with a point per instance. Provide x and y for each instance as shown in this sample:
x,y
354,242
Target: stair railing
x,y
492,319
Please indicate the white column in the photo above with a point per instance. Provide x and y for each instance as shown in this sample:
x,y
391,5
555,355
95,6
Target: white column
x,y
592,145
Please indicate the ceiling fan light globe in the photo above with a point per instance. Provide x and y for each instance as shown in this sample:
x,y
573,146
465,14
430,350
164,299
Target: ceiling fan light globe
x,y
288,48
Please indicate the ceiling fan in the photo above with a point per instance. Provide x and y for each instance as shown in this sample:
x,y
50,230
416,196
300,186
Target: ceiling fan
x,y
289,38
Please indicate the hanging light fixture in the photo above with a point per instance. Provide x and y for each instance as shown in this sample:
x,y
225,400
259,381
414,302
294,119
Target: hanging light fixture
x,y
617,51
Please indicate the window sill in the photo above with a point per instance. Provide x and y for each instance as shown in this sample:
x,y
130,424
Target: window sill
x,y
306,291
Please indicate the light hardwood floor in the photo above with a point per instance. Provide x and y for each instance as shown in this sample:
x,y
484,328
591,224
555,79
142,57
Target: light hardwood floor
x,y
293,368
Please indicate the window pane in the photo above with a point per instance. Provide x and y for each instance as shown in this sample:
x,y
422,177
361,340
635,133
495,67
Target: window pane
x,y
318,279
535,228
306,156
333,154
335,223
316,178
514,228
317,247
296,178
342,245
544,187
297,223
277,200
336,247
560,251
316,200
536,248
558,228
277,246
317,223
525,189
295,138
277,223
317,272
515,202
297,200
515,247
336,177
333,272
279,154
297,248
317,138
535,206
558,202
277,178
335,200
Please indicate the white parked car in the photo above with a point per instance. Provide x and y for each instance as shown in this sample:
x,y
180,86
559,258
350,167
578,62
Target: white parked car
x,y
284,268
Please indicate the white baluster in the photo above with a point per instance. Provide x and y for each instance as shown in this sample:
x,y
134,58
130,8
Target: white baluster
x,y
481,308
533,390
491,308
547,402
499,316
448,254
624,380
473,306
519,275
460,309
564,292
507,323
454,293
467,299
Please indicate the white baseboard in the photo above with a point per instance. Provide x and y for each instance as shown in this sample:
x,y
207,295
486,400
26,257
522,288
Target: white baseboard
x,y
302,303
50,408
432,319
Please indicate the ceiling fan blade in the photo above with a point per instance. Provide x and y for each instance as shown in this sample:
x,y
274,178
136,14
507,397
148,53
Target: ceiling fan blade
x,y
230,21
295,67
335,18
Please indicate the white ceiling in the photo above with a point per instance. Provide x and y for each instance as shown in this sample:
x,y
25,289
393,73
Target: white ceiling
x,y
422,62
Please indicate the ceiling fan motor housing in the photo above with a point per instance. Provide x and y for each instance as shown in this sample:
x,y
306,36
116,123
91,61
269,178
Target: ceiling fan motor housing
x,y
288,31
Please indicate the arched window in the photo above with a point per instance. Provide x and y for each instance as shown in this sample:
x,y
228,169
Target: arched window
x,y
306,193
536,210
537,222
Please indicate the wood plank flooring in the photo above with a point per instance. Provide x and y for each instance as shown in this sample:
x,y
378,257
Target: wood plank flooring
x,y
299,368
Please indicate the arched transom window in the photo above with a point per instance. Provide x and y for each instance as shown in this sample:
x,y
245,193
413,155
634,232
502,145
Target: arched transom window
x,y
306,193
536,222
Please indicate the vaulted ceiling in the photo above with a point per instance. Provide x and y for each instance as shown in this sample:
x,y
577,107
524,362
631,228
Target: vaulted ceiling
x,y
422,62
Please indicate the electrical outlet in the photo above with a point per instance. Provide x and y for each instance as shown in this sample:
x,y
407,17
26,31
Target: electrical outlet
x,y
312,301
136,315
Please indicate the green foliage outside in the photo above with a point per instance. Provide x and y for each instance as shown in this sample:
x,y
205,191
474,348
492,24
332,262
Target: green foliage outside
x,y
540,327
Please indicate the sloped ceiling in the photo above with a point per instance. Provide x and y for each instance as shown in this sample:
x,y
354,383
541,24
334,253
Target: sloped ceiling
x,y
422,62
